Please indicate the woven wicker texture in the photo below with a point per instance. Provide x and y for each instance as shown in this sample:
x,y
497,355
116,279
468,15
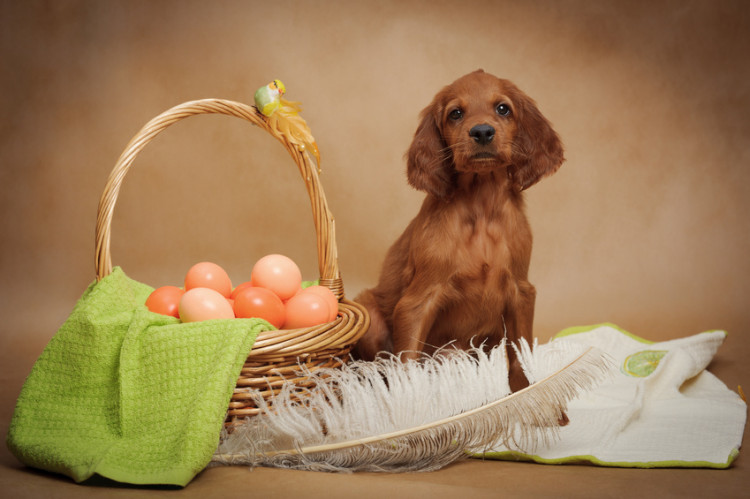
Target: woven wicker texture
x,y
276,354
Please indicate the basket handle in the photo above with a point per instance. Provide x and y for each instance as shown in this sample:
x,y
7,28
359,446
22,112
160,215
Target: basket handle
x,y
324,221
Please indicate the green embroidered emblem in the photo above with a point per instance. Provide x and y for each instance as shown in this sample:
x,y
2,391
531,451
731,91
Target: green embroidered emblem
x,y
643,363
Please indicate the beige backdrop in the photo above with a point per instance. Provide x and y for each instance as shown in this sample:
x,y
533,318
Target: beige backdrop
x,y
646,225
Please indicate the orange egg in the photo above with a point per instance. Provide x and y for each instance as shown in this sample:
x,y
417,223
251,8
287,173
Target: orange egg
x,y
239,288
279,274
330,298
306,310
202,304
208,275
299,290
165,300
261,303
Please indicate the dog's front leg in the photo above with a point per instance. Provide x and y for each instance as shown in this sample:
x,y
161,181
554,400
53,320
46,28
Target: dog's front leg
x,y
413,318
519,323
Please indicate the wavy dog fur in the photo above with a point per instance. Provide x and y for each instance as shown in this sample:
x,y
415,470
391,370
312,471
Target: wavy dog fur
x,y
459,272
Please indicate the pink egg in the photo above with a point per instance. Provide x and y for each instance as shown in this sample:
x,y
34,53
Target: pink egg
x,y
202,304
306,310
299,290
208,275
279,274
330,298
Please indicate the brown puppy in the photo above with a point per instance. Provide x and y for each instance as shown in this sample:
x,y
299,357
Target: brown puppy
x,y
459,272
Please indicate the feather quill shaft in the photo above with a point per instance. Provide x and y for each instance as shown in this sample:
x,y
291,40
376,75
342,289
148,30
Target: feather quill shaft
x,y
373,416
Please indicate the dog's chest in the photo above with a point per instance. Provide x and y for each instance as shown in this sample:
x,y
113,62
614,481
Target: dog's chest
x,y
485,239
484,244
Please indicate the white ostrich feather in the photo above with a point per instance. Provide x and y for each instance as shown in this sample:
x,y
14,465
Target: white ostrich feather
x,y
415,416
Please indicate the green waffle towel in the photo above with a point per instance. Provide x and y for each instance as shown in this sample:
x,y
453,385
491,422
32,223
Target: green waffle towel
x,y
128,394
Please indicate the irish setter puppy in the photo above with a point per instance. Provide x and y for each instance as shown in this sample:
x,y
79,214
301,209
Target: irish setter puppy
x,y
459,272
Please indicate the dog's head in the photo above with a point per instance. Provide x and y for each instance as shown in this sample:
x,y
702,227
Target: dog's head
x,y
478,124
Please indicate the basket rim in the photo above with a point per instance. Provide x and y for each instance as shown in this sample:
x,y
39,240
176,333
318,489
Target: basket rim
x,y
289,344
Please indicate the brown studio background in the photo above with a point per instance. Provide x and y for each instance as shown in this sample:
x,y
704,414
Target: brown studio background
x,y
646,225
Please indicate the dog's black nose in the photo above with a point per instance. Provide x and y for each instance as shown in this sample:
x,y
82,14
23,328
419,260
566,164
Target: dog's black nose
x,y
482,134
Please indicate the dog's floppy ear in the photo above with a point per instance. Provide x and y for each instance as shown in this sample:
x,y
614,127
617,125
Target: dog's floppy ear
x,y
429,160
537,149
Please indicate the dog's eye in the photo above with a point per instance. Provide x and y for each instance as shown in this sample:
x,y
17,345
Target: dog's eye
x,y
456,114
502,109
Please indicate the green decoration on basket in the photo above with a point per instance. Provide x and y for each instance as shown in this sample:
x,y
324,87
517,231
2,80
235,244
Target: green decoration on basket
x,y
268,97
283,116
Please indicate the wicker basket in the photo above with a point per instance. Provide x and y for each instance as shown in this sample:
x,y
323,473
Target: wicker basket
x,y
276,355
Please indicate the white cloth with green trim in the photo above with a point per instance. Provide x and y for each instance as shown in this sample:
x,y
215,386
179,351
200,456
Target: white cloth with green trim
x,y
659,409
